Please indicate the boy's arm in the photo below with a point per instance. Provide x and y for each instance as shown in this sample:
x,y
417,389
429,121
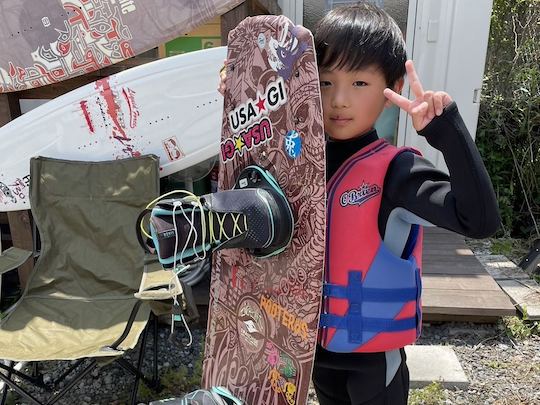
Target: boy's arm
x,y
464,201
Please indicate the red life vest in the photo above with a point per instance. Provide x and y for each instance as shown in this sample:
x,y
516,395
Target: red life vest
x,y
371,297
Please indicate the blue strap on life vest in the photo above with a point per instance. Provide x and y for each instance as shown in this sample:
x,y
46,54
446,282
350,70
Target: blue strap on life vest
x,y
372,294
357,322
356,294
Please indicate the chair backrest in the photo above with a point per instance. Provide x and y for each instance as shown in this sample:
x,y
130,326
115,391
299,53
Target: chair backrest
x,y
86,214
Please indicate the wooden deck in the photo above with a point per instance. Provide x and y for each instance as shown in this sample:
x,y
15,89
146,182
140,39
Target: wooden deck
x,y
455,285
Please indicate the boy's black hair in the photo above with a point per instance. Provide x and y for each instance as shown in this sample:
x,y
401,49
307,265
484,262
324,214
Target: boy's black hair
x,y
356,36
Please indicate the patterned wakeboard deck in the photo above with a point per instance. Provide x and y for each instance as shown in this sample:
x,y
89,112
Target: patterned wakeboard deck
x,y
262,327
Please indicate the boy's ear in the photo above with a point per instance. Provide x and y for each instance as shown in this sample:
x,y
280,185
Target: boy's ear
x,y
397,87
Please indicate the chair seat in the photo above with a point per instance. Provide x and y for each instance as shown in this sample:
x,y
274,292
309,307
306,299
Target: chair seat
x,y
40,332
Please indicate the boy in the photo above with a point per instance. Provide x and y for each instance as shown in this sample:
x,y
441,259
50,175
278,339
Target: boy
x,y
378,196
373,234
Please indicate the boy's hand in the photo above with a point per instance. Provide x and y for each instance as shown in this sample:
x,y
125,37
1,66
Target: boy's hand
x,y
222,77
425,106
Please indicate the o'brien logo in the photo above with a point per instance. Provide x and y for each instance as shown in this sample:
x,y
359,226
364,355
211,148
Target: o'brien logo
x,y
249,119
360,195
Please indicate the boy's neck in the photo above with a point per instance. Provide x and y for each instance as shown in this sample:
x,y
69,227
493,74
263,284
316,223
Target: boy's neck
x,y
352,139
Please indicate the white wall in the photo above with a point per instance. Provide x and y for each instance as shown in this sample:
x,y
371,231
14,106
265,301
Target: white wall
x,y
294,9
449,51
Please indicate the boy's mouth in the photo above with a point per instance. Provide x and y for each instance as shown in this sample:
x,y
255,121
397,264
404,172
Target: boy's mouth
x,y
338,120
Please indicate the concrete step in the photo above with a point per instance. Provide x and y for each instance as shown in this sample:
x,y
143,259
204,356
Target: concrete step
x,y
435,363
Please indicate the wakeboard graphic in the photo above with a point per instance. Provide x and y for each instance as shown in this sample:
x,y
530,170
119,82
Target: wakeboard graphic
x,y
263,314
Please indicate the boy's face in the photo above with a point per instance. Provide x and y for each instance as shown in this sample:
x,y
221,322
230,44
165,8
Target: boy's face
x,y
352,100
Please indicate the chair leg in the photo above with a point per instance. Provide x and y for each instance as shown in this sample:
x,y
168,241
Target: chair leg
x,y
21,391
14,370
35,369
55,398
142,350
6,387
155,377
67,373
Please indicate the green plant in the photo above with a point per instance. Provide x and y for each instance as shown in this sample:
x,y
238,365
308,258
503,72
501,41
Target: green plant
x,y
512,248
508,133
433,394
144,393
12,398
177,381
496,364
520,328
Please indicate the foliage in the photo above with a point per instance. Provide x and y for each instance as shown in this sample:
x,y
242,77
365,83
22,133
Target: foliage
x,y
175,382
509,122
12,398
520,328
512,248
433,394
496,364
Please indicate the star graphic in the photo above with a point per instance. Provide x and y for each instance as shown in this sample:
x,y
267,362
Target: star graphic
x,y
239,143
260,104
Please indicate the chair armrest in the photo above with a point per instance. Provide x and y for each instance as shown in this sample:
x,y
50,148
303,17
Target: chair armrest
x,y
156,283
12,258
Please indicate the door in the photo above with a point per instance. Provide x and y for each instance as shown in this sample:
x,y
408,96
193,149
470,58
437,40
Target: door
x,y
449,46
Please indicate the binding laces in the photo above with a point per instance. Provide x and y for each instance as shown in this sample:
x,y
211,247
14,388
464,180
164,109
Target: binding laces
x,y
190,205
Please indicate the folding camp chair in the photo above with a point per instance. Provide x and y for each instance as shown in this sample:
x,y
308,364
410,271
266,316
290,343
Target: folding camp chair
x,y
79,302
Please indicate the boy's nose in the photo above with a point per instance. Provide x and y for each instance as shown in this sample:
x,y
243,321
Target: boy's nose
x,y
340,100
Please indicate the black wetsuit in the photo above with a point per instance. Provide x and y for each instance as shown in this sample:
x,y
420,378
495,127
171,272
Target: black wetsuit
x,y
463,202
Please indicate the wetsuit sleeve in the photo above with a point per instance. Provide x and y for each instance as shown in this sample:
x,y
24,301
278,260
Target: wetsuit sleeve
x,y
464,200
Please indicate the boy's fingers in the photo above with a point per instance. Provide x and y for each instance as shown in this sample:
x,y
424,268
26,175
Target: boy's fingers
x,y
446,99
418,115
429,99
414,81
223,68
438,102
420,109
397,99
442,100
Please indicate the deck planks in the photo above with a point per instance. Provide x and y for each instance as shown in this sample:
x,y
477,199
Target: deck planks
x,y
456,285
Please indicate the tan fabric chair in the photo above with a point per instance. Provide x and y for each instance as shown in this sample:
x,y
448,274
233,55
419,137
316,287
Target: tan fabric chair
x,y
79,302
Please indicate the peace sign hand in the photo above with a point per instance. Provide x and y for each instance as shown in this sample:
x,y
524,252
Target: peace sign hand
x,y
425,106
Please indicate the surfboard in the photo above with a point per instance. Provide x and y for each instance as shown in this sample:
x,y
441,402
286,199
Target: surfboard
x,y
170,108
47,41
263,312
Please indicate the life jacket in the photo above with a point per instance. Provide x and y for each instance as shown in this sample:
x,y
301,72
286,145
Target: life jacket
x,y
371,297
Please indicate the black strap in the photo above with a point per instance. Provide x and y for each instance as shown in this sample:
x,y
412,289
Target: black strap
x,y
146,243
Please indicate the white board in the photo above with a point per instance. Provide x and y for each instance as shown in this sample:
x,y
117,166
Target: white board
x,y
169,107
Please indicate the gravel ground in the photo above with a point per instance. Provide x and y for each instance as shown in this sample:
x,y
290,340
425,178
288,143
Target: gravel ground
x,y
500,370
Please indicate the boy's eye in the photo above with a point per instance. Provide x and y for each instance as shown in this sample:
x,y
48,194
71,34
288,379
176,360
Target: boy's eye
x,y
359,83
324,83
